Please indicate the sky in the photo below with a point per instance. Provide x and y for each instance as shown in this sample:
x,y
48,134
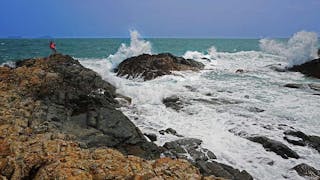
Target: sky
x,y
158,18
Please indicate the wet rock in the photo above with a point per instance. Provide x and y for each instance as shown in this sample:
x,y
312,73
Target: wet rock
x,y
173,102
218,101
275,146
310,68
170,131
277,67
151,136
307,171
239,71
303,139
222,170
315,87
188,148
151,66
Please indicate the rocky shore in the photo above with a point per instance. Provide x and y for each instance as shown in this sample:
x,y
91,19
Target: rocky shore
x,y
59,120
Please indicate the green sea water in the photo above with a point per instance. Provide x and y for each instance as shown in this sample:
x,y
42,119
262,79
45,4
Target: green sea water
x,y
14,49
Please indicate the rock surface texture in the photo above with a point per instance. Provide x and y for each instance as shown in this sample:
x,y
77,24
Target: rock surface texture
x,y
149,67
310,68
57,119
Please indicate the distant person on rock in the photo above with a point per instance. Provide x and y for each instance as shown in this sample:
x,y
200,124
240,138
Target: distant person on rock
x,y
53,47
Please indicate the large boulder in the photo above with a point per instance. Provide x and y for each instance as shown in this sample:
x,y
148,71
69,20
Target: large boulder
x,y
301,139
151,66
275,146
75,100
311,68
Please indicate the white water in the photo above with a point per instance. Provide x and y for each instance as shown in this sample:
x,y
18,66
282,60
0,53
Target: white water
x,y
300,48
258,87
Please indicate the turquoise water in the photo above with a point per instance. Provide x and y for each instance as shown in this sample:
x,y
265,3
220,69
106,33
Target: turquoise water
x,y
13,49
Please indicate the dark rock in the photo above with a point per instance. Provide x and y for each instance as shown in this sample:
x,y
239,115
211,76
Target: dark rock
x,y
218,101
78,102
310,68
151,66
275,146
170,131
180,148
307,171
151,136
312,141
173,102
255,109
295,86
222,170
277,67
239,71
315,87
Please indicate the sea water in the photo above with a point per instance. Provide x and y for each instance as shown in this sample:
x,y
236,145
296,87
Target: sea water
x,y
222,126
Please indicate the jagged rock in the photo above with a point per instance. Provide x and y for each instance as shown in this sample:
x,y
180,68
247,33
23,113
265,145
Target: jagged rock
x,y
312,141
307,171
75,100
151,66
315,87
310,68
239,71
255,109
275,146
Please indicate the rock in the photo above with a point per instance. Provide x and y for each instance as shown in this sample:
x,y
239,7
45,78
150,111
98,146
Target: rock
x,y
315,87
151,136
222,170
170,131
307,171
239,71
255,109
312,141
151,66
173,102
295,86
310,68
275,146
56,119
188,148
76,101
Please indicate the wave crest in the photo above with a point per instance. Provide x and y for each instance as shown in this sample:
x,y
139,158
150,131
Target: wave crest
x,y
137,46
300,48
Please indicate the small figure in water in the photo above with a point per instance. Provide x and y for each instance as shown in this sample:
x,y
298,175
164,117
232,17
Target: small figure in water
x,y
53,47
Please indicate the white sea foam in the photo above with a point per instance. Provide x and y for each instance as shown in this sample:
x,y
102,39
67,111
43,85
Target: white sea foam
x,y
137,47
217,125
300,48
8,63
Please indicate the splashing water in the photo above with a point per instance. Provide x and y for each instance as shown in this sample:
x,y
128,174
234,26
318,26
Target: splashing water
x,y
301,48
137,47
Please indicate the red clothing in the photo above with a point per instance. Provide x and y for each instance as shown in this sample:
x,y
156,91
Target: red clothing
x,y
52,45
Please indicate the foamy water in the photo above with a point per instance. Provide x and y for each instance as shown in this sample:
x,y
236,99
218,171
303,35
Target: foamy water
x,y
258,87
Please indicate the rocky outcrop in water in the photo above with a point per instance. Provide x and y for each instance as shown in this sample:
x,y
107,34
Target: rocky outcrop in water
x,y
151,66
275,146
303,139
190,149
311,68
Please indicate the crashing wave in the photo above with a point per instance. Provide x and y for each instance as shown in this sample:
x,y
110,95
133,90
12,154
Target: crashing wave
x,y
299,49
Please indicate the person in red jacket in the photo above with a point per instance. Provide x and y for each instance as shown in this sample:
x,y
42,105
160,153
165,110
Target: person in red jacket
x,y
53,47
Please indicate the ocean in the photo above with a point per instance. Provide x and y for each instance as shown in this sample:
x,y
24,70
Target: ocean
x,y
222,126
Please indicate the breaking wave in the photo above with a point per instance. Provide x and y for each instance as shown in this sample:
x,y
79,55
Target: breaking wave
x,y
137,46
300,48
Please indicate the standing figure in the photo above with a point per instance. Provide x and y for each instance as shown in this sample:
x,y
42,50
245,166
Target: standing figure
x,y
53,47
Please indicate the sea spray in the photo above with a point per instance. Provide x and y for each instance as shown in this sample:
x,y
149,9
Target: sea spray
x,y
137,47
300,48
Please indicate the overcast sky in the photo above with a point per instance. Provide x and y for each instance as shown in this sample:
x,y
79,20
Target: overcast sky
x,y
158,18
